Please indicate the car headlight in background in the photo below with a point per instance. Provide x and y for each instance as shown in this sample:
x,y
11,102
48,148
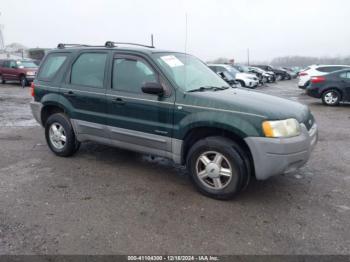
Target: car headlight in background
x,y
30,73
281,128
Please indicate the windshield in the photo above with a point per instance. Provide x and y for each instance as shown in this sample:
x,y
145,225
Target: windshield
x,y
26,64
187,71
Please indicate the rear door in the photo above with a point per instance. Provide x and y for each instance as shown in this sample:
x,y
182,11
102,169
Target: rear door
x,y
345,80
143,121
85,92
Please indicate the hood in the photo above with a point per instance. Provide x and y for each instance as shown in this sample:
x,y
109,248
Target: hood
x,y
247,101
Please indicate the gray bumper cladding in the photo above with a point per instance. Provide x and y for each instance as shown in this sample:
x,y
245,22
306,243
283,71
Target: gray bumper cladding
x,y
275,156
36,110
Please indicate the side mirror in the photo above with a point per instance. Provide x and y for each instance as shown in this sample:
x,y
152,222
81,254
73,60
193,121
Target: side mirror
x,y
152,88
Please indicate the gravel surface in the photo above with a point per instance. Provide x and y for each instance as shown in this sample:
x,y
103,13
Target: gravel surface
x,y
110,201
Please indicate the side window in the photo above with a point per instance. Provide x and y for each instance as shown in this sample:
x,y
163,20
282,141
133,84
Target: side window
x,y
130,74
89,70
51,65
13,64
6,64
345,75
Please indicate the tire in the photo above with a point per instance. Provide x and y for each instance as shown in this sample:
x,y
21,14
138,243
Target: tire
x,y
2,81
214,184
241,82
331,97
60,122
23,81
279,78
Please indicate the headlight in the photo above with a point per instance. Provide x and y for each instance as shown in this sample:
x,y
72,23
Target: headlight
x,y
30,73
281,128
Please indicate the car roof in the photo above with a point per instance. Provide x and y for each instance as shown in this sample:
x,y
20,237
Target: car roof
x,y
94,48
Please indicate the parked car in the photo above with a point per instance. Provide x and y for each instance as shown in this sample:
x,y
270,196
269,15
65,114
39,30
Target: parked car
x,y
245,79
169,104
290,72
280,74
229,79
331,88
271,77
316,70
263,76
23,71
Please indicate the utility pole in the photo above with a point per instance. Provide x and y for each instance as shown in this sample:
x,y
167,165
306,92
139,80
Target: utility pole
x,y
248,56
152,40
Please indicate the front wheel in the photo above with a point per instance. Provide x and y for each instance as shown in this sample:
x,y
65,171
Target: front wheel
x,y
60,135
23,81
218,167
331,97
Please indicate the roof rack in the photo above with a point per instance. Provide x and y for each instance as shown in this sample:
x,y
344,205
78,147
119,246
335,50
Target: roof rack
x,y
111,44
108,44
61,45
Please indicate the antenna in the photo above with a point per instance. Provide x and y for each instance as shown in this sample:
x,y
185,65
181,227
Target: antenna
x,y
2,40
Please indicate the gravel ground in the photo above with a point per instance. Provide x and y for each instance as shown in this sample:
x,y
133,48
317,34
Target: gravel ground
x,y
110,201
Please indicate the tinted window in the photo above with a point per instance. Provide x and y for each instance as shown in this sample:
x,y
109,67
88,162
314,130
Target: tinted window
x,y
345,75
129,74
89,70
328,69
2,62
51,66
13,64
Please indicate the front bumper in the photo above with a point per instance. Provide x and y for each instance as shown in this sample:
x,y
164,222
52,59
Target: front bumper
x,y
275,156
36,110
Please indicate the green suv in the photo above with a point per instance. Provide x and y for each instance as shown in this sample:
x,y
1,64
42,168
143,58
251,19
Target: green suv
x,y
172,105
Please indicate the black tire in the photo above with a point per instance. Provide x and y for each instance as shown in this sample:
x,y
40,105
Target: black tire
x,y
233,154
23,81
327,100
71,144
2,81
241,82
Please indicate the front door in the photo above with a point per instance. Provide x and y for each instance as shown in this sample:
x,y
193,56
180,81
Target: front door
x,y
85,90
142,121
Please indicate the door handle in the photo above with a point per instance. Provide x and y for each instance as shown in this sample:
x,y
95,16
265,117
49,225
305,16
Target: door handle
x,y
118,101
69,93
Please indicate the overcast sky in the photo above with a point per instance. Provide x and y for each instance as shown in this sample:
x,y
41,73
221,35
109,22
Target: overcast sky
x,y
222,28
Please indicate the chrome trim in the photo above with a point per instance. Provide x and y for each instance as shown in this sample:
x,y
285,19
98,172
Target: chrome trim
x,y
129,139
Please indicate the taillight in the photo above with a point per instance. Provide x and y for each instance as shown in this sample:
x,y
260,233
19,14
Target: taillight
x,y
32,93
317,79
302,74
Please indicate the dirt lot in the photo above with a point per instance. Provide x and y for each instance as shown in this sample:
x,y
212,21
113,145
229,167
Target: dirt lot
x,y
110,201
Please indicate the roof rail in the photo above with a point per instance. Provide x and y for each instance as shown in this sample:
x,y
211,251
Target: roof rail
x,y
111,44
61,45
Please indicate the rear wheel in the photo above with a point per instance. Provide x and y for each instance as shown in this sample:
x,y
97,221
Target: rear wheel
x,y
218,167
60,135
331,97
2,81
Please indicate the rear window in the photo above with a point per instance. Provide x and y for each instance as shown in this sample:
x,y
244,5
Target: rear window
x,y
51,65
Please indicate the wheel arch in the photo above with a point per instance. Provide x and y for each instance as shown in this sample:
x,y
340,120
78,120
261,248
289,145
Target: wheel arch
x,y
200,132
333,88
51,108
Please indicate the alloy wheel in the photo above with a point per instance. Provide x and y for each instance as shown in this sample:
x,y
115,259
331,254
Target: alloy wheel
x,y
331,98
214,170
57,136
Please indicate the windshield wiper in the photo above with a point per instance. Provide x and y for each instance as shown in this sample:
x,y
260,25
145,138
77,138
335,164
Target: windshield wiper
x,y
206,88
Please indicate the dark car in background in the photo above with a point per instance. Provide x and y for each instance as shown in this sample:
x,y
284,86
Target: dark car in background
x,y
280,74
331,88
20,70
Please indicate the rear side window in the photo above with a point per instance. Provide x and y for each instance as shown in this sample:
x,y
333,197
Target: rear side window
x,y
345,75
89,70
327,69
51,65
